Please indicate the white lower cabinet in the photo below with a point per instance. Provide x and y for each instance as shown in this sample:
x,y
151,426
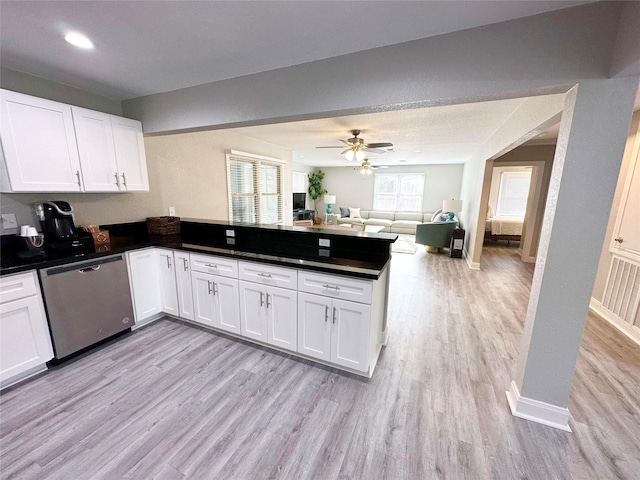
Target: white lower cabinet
x,y
145,284
269,314
168,286
25,342
336,331
215,301
183,285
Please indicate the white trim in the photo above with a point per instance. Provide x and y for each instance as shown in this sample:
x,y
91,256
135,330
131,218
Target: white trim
x,y
470,264
537,411
255,156
618,323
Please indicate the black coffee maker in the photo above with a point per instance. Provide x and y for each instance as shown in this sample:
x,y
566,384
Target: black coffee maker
x,y
60,232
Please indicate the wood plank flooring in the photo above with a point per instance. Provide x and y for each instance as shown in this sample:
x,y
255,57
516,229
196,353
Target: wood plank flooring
x,y
174,401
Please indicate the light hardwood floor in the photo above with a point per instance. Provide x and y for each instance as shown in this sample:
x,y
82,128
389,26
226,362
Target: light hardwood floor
x,y
174,401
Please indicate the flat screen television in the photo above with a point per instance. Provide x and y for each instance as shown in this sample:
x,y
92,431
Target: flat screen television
x,y
299,200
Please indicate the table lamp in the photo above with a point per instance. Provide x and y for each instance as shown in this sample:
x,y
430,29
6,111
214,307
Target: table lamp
x,y
329,199
452,206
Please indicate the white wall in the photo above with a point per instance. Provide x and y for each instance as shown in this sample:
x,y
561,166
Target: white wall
x,y
353,189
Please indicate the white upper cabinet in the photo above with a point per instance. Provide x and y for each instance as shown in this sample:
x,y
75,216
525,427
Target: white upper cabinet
x,y
132,162
53,147
39,144
97,150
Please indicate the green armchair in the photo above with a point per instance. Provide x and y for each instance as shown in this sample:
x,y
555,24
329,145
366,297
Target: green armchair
x,y
435,235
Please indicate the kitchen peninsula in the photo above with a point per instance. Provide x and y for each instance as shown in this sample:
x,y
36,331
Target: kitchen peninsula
x,y
317,294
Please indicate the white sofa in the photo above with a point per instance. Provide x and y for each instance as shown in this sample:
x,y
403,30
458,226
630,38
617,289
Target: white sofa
x,y
393,222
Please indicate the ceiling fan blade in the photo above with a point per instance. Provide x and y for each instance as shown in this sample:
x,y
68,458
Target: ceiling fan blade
x,y
375,150
345,151
379,145
337,146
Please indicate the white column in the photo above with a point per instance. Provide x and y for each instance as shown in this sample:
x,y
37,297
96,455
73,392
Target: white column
x,y
589,152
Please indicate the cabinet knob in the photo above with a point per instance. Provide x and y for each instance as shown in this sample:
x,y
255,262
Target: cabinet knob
x,y
618,240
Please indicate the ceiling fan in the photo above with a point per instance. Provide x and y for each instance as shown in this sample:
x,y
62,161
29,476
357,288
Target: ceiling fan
x,y
367,168
356,147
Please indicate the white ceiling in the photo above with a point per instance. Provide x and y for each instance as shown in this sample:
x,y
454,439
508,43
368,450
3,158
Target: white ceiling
x,y
147,47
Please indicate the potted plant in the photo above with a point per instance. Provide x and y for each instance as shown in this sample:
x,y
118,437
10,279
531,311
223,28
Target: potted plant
x,y
315,188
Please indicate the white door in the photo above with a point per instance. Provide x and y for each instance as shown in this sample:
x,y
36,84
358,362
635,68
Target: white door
x,y
24,337
252,310
145,285
227,303
183,284
97,151
203,301
39,144
168,287
282,318
350,336
314,326
132,162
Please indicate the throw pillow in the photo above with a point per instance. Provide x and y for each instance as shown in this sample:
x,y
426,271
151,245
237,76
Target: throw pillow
x,y
354,212
344,212
435,215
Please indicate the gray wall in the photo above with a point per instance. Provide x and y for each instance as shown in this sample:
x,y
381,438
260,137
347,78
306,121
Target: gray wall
x,y
353,189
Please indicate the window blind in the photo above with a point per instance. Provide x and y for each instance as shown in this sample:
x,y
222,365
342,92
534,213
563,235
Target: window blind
x,y
513,194
255,188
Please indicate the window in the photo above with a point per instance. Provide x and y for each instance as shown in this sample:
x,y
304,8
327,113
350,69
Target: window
x,y
401,192
255,188
513,194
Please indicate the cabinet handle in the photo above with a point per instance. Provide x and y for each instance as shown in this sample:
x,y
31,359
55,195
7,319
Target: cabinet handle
x,y
264,275
117,178
326,313
210,265
268,300
209,286
261,299
618,240
334,315
215,288
186,264
335,287
78,176
168,261
124,180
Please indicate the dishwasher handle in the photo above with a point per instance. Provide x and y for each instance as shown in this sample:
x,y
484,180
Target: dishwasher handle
x,y
90,269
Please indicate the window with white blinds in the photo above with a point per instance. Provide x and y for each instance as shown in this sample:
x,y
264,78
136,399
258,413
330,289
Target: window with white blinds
x,y
401,192
255,188
513,194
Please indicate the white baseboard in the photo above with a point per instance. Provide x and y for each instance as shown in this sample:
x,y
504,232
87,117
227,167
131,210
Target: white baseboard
x,y
537,411
626,328
470,264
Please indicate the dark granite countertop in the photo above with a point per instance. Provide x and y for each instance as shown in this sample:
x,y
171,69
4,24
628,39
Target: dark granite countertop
x,y
133,236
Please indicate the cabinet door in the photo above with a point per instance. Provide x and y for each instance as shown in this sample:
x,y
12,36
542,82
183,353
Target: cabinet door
x,y
183,284
350,335
132,162
252,310
145,285
39,144
24,338
227,303
168,287
282,318
203,301
314,326
97,151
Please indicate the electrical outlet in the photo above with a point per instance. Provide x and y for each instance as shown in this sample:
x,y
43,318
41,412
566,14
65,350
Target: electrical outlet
x,y
172,211
324,242
8,221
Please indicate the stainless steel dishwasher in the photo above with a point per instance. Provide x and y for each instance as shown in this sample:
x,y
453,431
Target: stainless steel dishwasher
x,y
86,302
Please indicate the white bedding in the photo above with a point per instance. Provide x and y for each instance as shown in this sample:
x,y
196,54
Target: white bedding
x,y
506,225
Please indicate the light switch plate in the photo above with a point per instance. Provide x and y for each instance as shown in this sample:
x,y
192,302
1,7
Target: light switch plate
x,y
8,221
172,211
231,233
324,242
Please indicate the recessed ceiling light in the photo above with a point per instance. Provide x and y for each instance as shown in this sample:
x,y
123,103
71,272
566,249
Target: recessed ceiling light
x,y
79,40
417,151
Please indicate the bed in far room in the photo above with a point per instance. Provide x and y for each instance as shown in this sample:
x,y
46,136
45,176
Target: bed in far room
x,y
503,228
